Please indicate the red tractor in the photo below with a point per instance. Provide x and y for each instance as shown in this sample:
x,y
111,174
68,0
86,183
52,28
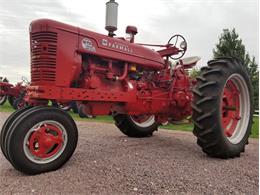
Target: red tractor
x,y
138,86
14,93
4,83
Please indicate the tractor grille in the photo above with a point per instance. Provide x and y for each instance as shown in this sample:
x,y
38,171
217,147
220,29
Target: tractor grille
x,y
43,56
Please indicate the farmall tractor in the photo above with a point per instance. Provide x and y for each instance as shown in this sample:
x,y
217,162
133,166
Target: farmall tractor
x,y
4,83
14,93
138,86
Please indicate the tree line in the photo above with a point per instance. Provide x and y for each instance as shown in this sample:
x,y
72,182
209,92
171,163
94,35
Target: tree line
x,y
231,45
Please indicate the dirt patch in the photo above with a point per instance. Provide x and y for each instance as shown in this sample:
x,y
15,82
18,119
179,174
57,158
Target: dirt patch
x,y
107,162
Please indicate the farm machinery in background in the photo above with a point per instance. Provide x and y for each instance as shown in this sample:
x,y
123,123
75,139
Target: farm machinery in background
x,y
13,93
138,86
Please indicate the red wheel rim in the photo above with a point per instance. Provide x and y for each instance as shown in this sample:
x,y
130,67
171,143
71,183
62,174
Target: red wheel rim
x,y
140,118
45,142
230,108
143,120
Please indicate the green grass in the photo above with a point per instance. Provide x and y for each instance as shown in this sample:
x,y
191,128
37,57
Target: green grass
x,y
6,107
255,127
189,127
181,127
108,119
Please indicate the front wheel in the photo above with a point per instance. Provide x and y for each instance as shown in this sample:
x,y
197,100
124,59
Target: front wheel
x,y
136,126
6,126
223,108
47,136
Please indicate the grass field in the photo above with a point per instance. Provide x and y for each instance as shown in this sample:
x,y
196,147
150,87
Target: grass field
x,y
108,119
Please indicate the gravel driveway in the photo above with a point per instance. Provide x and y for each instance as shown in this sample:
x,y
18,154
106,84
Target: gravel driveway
x,y
107,162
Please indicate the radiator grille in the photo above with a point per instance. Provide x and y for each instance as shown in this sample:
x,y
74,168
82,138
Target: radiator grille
x,y
43,56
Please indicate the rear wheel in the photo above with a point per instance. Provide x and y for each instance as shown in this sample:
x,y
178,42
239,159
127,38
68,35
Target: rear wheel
x,y
136,126
47,136
64,107
80,112
223,108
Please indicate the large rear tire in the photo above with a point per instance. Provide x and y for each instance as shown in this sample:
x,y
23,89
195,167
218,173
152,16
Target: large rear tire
x,y
136,126
41,140
223,108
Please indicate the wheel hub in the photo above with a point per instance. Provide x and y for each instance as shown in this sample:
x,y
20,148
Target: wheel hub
x,y
45,142
230,108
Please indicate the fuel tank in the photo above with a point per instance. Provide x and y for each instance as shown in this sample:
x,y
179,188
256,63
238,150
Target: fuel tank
x,y
85,41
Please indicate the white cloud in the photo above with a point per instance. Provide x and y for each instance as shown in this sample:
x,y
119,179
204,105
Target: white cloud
x,y
200,21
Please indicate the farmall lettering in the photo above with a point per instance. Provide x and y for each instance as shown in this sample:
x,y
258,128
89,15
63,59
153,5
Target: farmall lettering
x,y
117,46
139,87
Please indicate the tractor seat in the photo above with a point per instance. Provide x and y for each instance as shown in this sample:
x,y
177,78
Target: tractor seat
x,y
189,62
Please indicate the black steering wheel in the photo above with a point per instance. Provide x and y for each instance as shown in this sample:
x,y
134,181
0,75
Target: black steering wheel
x,y
179,42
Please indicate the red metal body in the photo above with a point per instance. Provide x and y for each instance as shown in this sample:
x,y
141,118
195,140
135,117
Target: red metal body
x,y
105,74
7,89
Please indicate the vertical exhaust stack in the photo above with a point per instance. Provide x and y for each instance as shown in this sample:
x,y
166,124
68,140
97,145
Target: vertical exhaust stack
x,y
111,17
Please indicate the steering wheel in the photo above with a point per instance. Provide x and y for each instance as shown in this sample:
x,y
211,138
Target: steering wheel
x,y
179,42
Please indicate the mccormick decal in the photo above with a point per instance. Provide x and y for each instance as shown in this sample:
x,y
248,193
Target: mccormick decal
x,y
116,45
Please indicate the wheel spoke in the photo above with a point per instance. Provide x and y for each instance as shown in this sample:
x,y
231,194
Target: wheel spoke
x,y
55,139
176,40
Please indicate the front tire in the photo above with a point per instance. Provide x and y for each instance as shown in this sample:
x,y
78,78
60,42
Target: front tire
x,y
41,140
9,121
223,108
136,126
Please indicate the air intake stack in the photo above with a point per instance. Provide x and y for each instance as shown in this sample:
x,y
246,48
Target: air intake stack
x,y
111,17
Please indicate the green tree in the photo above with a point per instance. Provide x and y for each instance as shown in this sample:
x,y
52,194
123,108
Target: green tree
x,y
194,72
230,45
254,74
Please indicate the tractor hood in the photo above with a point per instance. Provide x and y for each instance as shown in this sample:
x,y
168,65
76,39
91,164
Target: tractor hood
x,y
97,44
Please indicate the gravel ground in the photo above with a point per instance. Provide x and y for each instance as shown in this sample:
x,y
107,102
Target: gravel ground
x,y
107,162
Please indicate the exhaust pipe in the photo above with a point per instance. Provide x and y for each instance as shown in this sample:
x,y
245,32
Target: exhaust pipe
x,y
111,17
